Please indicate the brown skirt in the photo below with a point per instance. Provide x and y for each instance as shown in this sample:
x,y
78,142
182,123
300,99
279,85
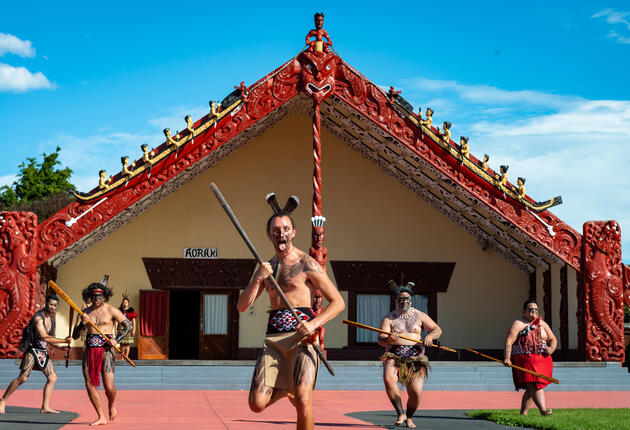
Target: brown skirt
x,y
409,368
279,355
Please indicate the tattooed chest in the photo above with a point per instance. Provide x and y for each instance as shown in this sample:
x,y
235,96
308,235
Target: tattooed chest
x,y
409,323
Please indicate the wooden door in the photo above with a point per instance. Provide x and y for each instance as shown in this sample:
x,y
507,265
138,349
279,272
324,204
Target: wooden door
x,y
153,321
215,328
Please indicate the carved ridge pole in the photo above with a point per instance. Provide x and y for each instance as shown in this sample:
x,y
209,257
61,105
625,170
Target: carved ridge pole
x,y
602,274
318,67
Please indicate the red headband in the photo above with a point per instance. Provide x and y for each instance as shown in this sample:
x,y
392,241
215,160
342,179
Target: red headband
x,y
97,290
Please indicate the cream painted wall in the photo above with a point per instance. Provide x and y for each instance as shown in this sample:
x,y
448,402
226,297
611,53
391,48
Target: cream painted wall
x,y
370,217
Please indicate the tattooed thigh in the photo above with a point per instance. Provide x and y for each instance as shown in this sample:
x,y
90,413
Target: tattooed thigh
x,y
28,362
305,371
49,369
109,361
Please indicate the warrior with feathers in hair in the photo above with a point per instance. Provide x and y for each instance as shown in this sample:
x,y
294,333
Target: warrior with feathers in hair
x,y
287,366
98,354
404,361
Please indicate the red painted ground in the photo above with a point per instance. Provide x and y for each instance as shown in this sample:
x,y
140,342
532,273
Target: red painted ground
x,y
156,410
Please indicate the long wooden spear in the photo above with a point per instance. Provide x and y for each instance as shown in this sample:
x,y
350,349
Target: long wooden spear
x,y
64,296
378,330
273,281
70,324
540,375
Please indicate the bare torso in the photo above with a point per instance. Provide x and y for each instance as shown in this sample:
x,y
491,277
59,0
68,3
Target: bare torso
x,y
522,323
291,274
408,324
102,316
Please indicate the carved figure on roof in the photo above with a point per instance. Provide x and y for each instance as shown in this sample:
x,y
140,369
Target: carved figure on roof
x,y
189,124
318,45
146,155
242,88
463,146
502,179
521,188
214,108
445,133
484,163
126,169
392,94
427,122
169,139
103,180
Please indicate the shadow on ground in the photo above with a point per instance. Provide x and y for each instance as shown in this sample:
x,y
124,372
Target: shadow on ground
x,y
18,418
445,419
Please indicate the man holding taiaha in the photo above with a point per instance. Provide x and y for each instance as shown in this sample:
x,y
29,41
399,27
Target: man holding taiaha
x,y
529,344
288,364
98,356
405,361
37,335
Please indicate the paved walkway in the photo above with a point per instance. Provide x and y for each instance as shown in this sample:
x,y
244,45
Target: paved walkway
x,y
201,409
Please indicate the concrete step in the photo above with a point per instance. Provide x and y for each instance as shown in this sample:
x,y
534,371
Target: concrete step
x,y
366,375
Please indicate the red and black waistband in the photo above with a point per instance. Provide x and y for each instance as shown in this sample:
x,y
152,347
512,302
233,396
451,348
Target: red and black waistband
x,y
282,321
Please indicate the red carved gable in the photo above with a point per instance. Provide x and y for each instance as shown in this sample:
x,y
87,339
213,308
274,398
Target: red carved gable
x,y
81,223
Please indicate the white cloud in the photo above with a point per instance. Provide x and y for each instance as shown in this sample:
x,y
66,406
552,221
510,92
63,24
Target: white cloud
x,y
562,144
614,17
7,180
13,45
20,79
486,94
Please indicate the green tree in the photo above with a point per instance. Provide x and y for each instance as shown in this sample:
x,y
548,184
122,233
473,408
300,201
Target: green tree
x,y
40,188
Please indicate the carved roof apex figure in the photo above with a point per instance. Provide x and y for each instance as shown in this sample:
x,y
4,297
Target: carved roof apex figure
x,y
503,169
463,139
429,111
447,124
319,20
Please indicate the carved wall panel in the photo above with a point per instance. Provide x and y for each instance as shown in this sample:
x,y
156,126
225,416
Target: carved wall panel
x,y
19,283
602,275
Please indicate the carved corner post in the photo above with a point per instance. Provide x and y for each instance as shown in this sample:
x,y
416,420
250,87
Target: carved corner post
x,y
19,278
602,275
318,70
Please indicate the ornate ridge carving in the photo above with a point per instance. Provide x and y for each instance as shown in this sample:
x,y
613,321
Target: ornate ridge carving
x,y
626,285
18,277
82,217
370,101
603,291
211,132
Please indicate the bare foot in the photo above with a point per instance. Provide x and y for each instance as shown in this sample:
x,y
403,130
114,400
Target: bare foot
x,y
546,412
410,424
113,413
3,403
99,422
401,419
48,411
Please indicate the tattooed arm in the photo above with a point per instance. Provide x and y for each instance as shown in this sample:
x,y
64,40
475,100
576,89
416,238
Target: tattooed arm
x,y
509,340
255,287
429,325
319,279
126,324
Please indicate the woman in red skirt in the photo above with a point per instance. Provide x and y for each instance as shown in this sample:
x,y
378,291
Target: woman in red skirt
x,y
529,344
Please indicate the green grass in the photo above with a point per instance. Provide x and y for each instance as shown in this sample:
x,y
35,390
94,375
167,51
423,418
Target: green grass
x,y
560,419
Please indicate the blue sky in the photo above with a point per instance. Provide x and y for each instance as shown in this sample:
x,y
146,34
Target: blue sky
x,y
540,86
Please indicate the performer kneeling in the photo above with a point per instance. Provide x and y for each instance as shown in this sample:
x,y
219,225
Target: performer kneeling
x,y
98,355
404,361
529,344
288,364
39,332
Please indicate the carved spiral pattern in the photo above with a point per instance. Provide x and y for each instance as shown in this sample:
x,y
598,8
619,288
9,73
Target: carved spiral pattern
x,y
18,277
603,291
